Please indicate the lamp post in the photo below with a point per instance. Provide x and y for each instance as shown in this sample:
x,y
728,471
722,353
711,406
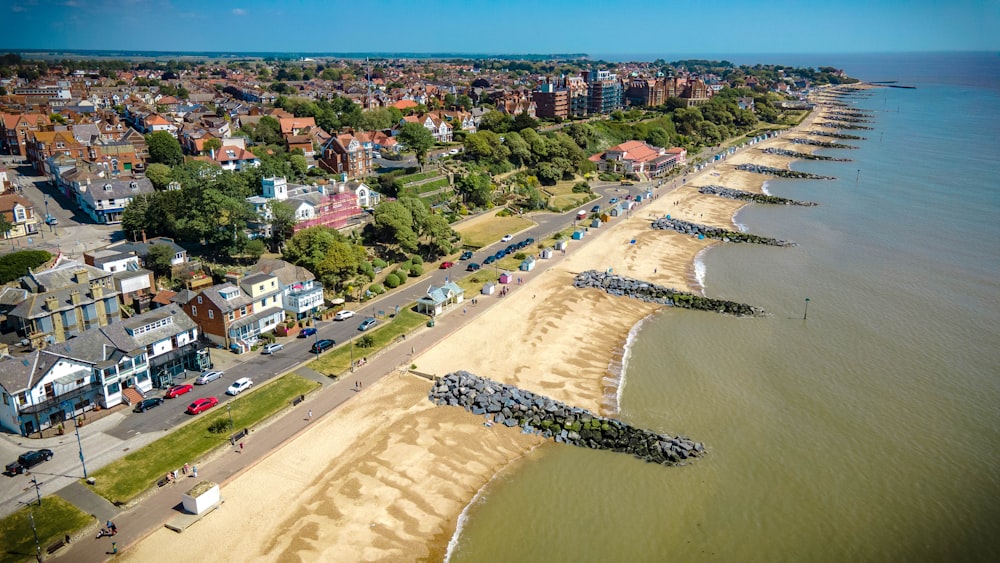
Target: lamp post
x,y
47,222
34,531
79,444
38,490
806,312
229,409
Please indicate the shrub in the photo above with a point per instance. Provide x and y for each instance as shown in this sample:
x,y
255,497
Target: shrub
x,y
219,426
365,341
16,264
379,263
416,271
520,256
404,265
401,275
391,281
415,259
376,288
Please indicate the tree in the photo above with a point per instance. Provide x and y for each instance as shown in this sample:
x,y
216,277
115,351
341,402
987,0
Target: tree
x,y
282,222
164,148
267,131
658,137
393,226
299,164
159,175
419,211
523,121
159,258
495,121
417,138
5,226
475,189
440,234
254,249
210,145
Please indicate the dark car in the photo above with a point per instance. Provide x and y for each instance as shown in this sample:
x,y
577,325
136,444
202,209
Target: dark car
x,y
489,260
27,460
322,345
201,405
465,255
472,267
595,209
528,241
146,404
307,332
178,390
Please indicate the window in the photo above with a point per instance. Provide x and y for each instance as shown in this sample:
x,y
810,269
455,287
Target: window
x,y
211,314
194,311
199,299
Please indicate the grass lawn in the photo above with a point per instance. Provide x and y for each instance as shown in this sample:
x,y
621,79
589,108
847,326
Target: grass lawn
x,y
417,177
562,196
482,233
53,519
338,360
124,479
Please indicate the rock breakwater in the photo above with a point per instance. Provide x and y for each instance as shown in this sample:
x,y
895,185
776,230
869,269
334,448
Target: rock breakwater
x,y
730,193
622,286
803,155
837,135
824,144
725,235
780,172
512,406
840,125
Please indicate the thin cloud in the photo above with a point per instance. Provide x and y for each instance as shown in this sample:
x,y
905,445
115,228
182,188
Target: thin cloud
x,y
239,12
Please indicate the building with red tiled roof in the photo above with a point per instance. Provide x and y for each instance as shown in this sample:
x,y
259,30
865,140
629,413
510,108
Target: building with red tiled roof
x,y
637,157
16,128
404,105
235,158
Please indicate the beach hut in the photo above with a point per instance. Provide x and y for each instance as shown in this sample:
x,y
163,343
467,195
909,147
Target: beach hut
x,y
200,498
506,278
439,297
616,211
488,288
605,217
578,235
596,223
528,264
561,244
546,253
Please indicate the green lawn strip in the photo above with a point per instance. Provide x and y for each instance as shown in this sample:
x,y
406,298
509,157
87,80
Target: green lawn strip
x,y
121,481
53,519
417,177
338,360
484,233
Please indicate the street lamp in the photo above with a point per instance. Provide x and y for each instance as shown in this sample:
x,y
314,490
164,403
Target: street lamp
x,y
229,409
79,442
34,531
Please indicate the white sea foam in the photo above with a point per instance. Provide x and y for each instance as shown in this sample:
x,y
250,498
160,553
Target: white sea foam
x,y
626,354
763,188
699,271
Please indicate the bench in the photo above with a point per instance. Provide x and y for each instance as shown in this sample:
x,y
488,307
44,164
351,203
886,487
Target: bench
x,y
56,546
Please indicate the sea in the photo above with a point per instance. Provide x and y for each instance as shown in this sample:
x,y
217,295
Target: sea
x,y
860,420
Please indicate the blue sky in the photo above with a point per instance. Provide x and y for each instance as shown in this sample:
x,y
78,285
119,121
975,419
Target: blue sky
x,y
661,27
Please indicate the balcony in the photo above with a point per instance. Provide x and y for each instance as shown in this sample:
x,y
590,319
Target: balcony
x,y
58,400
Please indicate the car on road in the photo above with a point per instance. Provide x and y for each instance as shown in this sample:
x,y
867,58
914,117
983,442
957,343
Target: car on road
x,y
465,255
271,348
307,332
322,345
178,390
27,460
343,315
613,200
208,377
201,405
595,209
454,151
507,238
146,404
367,324
529,241
445,265
472,267
239,386
489,260
51,220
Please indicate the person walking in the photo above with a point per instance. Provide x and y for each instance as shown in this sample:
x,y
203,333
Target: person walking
x,y
310,414
241,447
194,471
114,547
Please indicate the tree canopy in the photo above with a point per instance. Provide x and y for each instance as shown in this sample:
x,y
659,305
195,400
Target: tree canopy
x,y
164,148
417,138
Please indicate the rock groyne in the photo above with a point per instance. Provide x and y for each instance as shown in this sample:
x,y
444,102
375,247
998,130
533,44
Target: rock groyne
x,y
730,193
803,155
839,125
836,135
780,172
512,406
725,235
823,144
622,286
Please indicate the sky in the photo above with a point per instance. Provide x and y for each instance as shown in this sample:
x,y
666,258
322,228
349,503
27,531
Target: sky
x,y
609,27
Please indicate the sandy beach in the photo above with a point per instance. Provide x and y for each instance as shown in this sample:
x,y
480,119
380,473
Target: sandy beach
x,y
385,477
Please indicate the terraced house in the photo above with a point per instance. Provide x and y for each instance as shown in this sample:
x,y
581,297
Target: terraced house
x,y
235,315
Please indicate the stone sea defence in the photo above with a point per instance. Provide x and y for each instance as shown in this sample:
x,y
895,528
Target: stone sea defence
x,y
839,125
725,235
836,135
824,144
803,155
621,286
512,406
730,193
780,172
840,118
850,113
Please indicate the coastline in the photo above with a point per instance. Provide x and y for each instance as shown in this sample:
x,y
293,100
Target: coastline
x,y
389,476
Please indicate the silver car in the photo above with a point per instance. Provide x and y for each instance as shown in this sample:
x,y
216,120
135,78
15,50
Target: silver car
x,y
208,377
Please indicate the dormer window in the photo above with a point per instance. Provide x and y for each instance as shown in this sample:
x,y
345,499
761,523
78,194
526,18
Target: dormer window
x,y
133,185
107,187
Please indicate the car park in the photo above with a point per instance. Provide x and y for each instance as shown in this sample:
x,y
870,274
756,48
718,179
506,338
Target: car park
x,y
489,260
507,238
472,267
445,265
27,460
343,315
367,324
239,386
307,332
271,348
178,390
322,345
201,405
208,377
146,404
466,255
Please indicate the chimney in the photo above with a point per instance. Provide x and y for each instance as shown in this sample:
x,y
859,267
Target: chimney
x,y
74,296
96,291
80,276
51,303
212,152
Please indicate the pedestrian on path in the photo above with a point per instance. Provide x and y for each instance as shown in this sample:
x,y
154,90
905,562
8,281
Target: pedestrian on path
x,y
114,547
194,471
310,414
241,447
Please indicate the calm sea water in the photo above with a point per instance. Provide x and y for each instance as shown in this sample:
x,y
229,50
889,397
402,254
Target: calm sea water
x,y
870,431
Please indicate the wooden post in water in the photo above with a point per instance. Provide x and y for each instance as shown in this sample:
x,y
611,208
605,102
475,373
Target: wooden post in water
x,y
806,312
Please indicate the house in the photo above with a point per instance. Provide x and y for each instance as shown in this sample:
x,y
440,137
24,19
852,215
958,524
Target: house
x,y
141,249
134,283
235,158
332,205
15,129
65,301
346,154
103,367
301,294
234,316
44,144
439,298
155,122
439,127
20,213
638,157
105,201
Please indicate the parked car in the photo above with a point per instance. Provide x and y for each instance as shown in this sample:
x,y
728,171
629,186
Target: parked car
x,y
489,260
307,332
465,255
239,386
507,238
595,209
201,405
453,151
27,460
178,390
367,324
472,267
343,315
271,348
322,346
445,265
529,241
613,200
146,404
208,377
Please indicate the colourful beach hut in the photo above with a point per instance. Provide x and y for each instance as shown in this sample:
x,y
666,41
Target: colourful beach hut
x,y
506,278
488,288
528,264
577,235
562,244
596,223
546,253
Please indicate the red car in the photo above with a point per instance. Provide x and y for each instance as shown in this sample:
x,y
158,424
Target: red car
x,y
201,405
178,390
446,265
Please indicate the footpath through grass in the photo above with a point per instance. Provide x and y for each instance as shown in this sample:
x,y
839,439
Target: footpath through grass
x,y
53,519
338,360
123,480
